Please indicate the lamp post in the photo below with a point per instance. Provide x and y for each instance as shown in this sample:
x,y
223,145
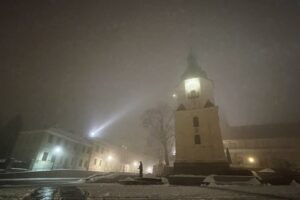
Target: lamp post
x,y
56,151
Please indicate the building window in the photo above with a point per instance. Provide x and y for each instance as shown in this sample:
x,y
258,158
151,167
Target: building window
x,y
100,162
196,122
80,163
45,156
197,139
95,161
53,158
50,138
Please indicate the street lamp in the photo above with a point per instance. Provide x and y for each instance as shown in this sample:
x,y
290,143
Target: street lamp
x,y
109,158
251,160
135,163
56,151
149,170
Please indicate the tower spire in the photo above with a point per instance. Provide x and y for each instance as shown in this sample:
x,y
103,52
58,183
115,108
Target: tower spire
x,y
193,68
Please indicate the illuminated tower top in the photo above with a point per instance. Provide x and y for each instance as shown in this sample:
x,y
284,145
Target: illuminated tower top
x,y
195,90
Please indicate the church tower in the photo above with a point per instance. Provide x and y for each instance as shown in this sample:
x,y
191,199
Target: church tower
x,y
199,146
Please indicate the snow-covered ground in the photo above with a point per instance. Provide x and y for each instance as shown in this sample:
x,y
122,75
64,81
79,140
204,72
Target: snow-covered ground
x,y
283,191
113,191
116,191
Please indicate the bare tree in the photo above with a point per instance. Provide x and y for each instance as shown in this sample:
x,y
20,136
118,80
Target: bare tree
x,y
159,121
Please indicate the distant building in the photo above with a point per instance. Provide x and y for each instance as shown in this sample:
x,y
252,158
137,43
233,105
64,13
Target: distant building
x,y
57,149
262,146
107,157
52,149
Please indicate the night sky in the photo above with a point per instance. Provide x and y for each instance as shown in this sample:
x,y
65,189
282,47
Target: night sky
x,y
82,64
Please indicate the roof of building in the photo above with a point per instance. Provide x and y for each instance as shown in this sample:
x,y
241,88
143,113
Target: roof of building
x,y
287,130
193,70
62,133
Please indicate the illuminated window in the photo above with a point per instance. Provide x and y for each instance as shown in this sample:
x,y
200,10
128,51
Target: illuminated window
x,y
197,139
196,122
192,87
45,156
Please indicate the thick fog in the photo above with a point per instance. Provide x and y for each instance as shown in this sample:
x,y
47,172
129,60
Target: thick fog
x,y
88,65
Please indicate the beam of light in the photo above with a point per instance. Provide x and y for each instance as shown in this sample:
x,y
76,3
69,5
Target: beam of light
x,y
96,131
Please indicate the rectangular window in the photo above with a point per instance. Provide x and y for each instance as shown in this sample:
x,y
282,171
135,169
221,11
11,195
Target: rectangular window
x,y
95,161
100,162
86,164
197,139
45,156
50,138
80,163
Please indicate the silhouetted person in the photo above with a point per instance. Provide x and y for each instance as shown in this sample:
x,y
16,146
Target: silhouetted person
x,y
141,169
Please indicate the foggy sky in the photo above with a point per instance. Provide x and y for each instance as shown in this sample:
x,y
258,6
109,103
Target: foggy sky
x,y
78,64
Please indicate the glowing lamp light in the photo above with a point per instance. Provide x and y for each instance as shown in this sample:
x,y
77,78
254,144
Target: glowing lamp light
x,y
174,152
57,149
174,95
109,158
92,134
251,160
135,163
192,84
149,170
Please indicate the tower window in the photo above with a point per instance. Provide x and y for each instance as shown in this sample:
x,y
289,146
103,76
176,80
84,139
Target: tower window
x,y
196,122
197,139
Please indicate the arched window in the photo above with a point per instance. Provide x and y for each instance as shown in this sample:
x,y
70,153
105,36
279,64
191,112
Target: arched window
x,y
196,122
197,139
